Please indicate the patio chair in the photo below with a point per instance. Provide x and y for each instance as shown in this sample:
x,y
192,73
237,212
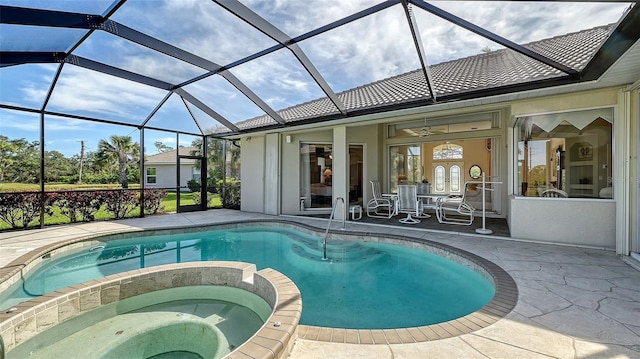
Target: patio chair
x,y
378,206
554,193
408,203
456,210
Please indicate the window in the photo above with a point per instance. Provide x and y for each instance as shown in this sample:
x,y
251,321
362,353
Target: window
x,y
151,175
448,151
569,153
433,127
405,165
316,175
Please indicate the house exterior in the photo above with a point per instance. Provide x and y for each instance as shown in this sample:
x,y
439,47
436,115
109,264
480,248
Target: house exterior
x,y
160,170
579,137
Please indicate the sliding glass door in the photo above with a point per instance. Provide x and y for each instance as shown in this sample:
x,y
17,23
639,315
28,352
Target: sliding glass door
x,y
316,169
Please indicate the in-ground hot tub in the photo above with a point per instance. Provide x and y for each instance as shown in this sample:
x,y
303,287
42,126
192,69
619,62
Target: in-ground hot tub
x,y
161,312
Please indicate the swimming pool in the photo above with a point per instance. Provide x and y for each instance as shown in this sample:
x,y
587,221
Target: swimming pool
x,y
364,284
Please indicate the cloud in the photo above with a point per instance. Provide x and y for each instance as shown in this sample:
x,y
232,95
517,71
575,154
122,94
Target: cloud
x,y
201,27
21,121
279,75
166,140
67,124
278,102
373,48
297,17
81,91
523,22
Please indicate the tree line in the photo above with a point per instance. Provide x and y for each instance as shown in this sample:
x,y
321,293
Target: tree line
x,y
115,161
20,162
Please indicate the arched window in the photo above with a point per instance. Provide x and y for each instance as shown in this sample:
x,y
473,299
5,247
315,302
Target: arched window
x,y
447,151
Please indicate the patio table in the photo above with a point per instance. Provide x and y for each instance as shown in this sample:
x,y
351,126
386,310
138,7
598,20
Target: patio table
x,y
430,200
393,197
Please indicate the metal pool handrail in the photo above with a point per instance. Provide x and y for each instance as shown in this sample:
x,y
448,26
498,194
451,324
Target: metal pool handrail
x,y
326,232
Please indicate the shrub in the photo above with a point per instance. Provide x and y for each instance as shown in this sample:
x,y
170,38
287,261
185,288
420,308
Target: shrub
x,y
197,197
194,186
79,205
213,184
120,202
153,200
21,208
230,193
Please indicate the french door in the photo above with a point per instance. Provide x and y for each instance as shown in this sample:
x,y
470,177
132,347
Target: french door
x,y
448,177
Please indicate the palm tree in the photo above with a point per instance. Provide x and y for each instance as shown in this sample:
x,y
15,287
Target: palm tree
x,y
214,157
120,150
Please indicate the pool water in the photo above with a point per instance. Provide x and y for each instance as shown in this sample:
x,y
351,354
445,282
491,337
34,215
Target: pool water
x,y
363,285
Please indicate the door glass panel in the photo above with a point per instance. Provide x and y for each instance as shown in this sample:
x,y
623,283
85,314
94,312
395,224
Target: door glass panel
x,y
439,179
405,165
316,176
356,163
454,173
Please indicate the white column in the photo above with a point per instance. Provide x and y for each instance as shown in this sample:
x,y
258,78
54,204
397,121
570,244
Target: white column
x,y
272,174
252,184
340,169
622,136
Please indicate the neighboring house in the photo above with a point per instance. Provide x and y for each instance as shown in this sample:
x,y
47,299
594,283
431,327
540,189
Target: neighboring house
x,y
160,170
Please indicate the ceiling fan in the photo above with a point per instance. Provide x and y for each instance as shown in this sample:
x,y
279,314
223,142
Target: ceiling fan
x,y
427,131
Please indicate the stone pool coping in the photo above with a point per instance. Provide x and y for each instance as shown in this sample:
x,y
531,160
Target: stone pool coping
x,y
274,339
503,302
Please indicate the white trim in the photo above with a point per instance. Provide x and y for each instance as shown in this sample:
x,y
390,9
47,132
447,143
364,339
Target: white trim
x,y
621,152
633,86
147,175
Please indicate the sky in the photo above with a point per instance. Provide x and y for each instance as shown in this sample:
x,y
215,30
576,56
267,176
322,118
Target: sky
x,y
370,49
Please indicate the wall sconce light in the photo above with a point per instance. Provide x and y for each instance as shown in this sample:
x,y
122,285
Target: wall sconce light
x,y
287,138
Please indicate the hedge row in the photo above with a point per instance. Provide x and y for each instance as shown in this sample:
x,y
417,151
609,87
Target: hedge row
x,y
19,209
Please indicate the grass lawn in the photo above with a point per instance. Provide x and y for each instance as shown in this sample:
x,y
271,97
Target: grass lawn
x,y
169,204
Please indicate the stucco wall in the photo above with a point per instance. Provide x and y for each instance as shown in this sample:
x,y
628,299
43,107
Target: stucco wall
x,y
560,220
166,176
563,102
252,185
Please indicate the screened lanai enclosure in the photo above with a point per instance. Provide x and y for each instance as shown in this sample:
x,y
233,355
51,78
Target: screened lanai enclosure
x,y
111,109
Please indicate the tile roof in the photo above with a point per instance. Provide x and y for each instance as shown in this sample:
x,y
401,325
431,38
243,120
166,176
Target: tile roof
x,y
169,157
488,70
